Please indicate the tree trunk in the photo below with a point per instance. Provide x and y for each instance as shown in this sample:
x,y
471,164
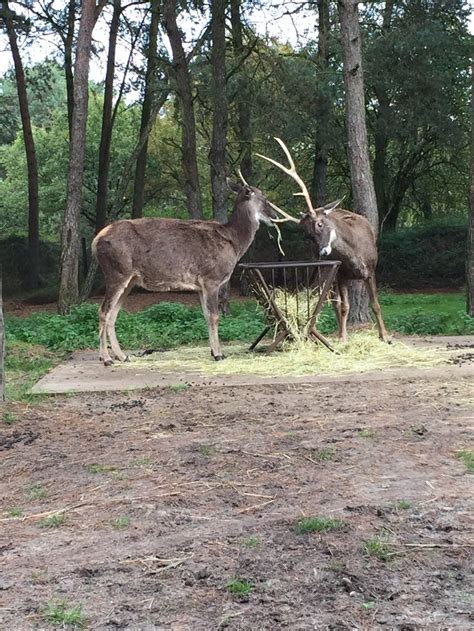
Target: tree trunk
x,y
185,96
107,123
70,238
2,345
217,154
470,245
244,127
32,165
382,131
323,103
358,150
68,43
150,83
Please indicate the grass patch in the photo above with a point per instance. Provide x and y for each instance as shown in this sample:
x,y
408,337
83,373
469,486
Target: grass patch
x,y
318,524
366,433
324,455
15,512
59,613
239,587
178,387
378,548
53,521
403,505
25,364
100,468
206,450
9,418
36,492
251,542
467,457
121,522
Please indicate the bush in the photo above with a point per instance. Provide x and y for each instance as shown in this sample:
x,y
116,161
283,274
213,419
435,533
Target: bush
x,y
431,256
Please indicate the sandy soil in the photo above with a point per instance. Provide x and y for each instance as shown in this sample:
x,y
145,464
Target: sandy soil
x,y
207,485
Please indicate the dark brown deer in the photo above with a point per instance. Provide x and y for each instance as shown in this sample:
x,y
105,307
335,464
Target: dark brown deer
x,y
173,255
346,236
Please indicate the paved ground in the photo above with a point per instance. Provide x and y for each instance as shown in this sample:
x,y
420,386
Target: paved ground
x,y
82,372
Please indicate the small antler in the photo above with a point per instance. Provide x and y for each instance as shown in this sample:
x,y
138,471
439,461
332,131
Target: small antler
x,y
286,216
291,172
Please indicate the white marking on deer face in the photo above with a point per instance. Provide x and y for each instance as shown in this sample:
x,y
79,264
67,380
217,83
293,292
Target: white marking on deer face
x,y
326,251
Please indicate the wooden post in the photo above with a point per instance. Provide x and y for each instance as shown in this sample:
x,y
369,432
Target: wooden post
x,y
2,345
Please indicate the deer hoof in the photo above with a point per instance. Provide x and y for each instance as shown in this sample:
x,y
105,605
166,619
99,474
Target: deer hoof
x,y
218,358
126,358
108,362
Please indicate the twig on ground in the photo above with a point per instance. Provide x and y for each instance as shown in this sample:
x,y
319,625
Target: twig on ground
x,y
255,506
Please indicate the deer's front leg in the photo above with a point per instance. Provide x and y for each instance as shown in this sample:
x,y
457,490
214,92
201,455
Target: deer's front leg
x,y
344,310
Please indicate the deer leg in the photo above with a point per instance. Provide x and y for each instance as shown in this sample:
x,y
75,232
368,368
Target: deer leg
x,y
336,303
374,303
113,294
210,307
114,311
344,307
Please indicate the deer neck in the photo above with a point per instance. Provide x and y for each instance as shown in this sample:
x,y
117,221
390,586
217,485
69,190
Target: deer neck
x,y
242,226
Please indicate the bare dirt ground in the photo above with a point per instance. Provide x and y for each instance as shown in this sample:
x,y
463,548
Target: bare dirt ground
x,y
142,507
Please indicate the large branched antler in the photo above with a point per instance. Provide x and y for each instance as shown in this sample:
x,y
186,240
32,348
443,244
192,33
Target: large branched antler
x,y
291,171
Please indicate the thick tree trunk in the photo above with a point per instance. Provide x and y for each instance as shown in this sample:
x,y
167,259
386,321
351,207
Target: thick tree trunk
x,y
107,123
217,154
2,345
358,150
320,168
150,82
30,149
68,43
382,132
470,245
185,96
70,238
243,96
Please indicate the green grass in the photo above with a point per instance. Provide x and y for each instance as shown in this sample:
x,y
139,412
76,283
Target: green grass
x,y
206,450
318,524
121,522
36,492
53,521
366,433
239,587
59,613
101,468
403,505
251,542
378,548
9,418
25,363
467,457
178,387
15,512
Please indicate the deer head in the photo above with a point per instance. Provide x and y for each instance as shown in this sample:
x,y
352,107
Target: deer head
x,y
255,201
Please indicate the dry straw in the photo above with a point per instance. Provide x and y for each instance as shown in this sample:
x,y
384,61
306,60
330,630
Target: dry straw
x,y
362,353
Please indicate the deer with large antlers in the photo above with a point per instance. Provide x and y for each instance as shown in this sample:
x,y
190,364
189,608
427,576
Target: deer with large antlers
x,y
172,255
346,236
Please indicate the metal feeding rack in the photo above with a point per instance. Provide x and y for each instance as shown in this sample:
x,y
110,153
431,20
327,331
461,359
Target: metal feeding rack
x,y
291,291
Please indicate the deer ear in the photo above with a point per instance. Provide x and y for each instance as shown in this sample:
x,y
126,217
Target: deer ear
x,y
328,208
236,187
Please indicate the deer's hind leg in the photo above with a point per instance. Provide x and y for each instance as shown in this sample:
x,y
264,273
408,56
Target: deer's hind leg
x,y
108,311
374,303
114,311
210,306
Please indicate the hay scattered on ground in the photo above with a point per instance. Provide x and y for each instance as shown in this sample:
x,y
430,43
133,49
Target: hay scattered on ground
x,y
362,353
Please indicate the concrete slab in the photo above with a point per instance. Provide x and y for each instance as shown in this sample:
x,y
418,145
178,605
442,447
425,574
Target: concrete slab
x,y
82,372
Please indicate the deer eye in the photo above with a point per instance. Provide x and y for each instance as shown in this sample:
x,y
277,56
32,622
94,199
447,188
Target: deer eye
x,y
320,224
